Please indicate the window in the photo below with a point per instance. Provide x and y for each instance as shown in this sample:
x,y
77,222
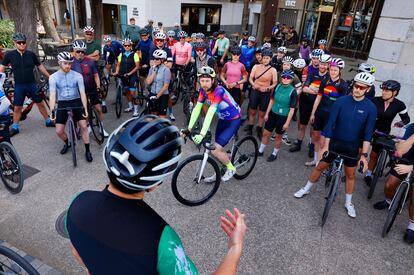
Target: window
x,y
213,16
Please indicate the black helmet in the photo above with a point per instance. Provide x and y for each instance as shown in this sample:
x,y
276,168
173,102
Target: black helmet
x,y
141,152
235,50
391,85
143,31
245,33
267,52
258,50
19,37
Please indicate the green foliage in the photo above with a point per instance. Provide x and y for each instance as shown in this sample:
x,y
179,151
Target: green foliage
x,y
6,32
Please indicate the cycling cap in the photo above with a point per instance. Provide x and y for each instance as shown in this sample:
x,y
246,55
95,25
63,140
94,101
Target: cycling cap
x,y
316,53
200,45
19,37
391,85
325,58
126,41
171,33
245,33
206,71
368,68
182,34
107,38
252,39
258,50
160,35
266,46
79,45
267,52
143,31
289,73
65,56
322,41
365,78
88,29
141,152
160,54
282,50
235,50
299,63
337,62
288,59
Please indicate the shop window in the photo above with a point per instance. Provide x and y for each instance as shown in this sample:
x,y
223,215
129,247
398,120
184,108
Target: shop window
x,y
313,4
213,16
309,27
185,16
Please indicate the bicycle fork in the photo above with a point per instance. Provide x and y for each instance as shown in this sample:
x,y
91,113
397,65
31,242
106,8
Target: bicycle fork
x,y
200,169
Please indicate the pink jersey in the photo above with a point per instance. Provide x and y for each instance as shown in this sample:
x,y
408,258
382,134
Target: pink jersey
x,y
181,52
234,72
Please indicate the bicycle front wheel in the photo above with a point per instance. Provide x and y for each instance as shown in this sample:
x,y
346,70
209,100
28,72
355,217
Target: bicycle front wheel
x,y
193,184
395,207
11,168
244,156
72,140
96,126
118,102
105,87
336,180
13,263
377,173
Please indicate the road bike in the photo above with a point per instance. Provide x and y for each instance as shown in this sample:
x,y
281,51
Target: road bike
x,y
73,133
95,122
188,182
13,263
180,84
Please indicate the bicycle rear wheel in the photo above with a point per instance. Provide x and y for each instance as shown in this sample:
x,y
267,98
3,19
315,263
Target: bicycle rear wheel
x,y
118,102
397,203
13,263
96,126
377,173
244,156
72,141
176,93
11,168
336,179
105,87
185,185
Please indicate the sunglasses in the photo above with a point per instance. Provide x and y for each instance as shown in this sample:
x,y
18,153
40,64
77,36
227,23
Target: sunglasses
x,y
237,54
83,52
159,40
200,50
144,35
21,42
158,59
359,87
127,46
88,33
287,77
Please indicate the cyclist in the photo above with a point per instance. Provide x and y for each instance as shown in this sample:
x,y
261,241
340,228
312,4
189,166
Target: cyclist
x,y
263,79
305,50
176,29
352,118
159,45
4,112
279,113
200,38
245,39
368,68
143,48
221,49
182,50
132,32
93,48
388,106
149,27
277,60
110,52
313,66
67,88
86,67
229,115
169,62
298,66
202,58
322,45
127,66
233,75
23,63
213,40
306,101
171,39
148,244
247,53
257,57
330,90
158,80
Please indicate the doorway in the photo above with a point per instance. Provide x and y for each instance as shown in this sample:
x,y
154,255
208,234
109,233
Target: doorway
x,y
111,15
256,20
324,26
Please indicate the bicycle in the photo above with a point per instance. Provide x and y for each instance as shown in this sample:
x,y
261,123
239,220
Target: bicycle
x,y
201,166
13,263
334,176
104,80
179,84
148,104
95,122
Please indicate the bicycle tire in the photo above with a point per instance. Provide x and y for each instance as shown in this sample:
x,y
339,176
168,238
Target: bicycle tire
x,y
245,157
176,89
96,126
105,87
15,160
336,179
118,102
19,263
328,176
139,99
214,185
394,209
377,173
72,141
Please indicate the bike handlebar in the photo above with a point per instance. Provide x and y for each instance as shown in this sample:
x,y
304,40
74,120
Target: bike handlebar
x,y
206,142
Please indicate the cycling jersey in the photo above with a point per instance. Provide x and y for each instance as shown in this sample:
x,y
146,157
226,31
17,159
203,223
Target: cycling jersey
x,y
247,56
285,98
66,85
3,99
22,64
111,52
351,121
227,108
127,62
114,235
222,45
92,46
234,72
243,42
170,43
144,47
314,81
385,117
86,67
163,76
330,91
181,52
308,70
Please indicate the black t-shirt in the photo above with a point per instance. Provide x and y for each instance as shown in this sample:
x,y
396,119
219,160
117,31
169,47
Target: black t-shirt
x,y
330,92
313,81
22,65
385,117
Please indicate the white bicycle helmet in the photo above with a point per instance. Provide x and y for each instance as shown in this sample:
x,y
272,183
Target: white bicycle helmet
x,y
200,35
266,46
155,30
252,39
367,68
316,53
171,33
160,35
299,63
161,54
322,42
107,38
365,78
88,29
79,45
126,41
337,62
182,34
325,58
282,50
288,59
65,56
206,71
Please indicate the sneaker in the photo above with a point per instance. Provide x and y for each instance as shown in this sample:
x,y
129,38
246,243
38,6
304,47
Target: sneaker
x,y
350,210
311,163
172,117
285,139
368,180
65,149
260,154
271,158
228,175
129,109
295,148
88,156
409,236
136,113
14,131
49,123
273,137
381,205
104,109
311,151
105,133
210,179
302,192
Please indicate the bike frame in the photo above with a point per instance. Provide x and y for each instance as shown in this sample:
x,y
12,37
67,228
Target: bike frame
x,y
406,181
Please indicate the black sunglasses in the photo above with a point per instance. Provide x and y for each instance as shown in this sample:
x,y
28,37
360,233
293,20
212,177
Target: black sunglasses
x,y
21,42
81,52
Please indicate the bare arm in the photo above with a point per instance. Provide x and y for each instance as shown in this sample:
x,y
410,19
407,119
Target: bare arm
x,y
274,79
316,104
269,107
94,56
43,70
252,75
151,76
97,81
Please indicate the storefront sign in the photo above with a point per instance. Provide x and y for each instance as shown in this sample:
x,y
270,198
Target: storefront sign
x,y
135,12
290,3
326,8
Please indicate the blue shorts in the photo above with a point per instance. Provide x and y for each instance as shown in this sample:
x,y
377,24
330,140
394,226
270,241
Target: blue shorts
x,y
22,90
225,130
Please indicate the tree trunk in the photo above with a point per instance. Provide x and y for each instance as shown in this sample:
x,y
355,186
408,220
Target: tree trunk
x,y
23,13
263,14
47,21
97,18
337,15
245,16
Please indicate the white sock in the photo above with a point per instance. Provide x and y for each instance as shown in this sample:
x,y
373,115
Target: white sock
x,y
348,199
103,103
315,156
130,105
309,185
411,225
275,151
368,173
262,147
135,107
388,201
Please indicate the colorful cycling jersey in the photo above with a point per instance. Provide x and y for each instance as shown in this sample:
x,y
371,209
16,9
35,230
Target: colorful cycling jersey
x,y
127,61
386,116
312,70
330,92
313,81
247,56
227,108
111,52
114,235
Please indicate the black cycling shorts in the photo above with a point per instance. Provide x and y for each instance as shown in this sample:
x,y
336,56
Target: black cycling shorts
x,y
321,119
162,105
93,96
259,99
130,82
275,121
235,94
305,109
343,147
62,115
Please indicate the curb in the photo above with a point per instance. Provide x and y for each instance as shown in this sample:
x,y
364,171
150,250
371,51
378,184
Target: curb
x,y
40,266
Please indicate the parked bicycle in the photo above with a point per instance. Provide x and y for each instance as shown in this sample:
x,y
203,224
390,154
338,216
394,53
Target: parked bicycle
x,y
95,122
180,84
12,263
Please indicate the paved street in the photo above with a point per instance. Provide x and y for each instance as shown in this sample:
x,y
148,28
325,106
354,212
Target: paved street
x,y
284,234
